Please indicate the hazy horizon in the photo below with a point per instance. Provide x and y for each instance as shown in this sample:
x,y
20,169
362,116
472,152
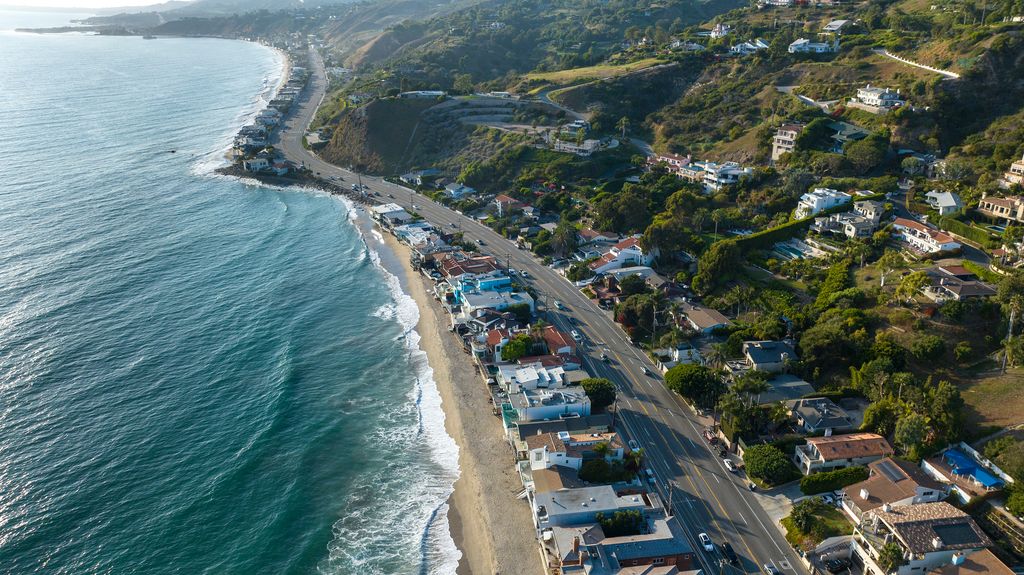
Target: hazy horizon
x,y
76,4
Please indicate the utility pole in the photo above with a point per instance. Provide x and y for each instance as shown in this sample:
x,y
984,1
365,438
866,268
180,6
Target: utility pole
x,y
671,493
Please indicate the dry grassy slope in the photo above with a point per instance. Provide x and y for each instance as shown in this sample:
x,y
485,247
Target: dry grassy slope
x,y
383,46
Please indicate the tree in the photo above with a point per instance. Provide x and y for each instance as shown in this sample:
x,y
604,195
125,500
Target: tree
x,y
911,430
564,240
889,262
912,166
911,285
600,391
521,311
890,557
867,153
1011,295
621,523
717,265
768,463
697,383
804,513
622,125
717,355
517,347
928,347
880,417
579,271
463,83
963,351
752,384
632,285
946,411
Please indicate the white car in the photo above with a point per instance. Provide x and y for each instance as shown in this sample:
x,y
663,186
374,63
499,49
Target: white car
x,y
729,465
576,336
706,542
634,445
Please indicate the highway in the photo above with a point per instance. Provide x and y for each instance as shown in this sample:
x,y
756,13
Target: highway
x,y
704,495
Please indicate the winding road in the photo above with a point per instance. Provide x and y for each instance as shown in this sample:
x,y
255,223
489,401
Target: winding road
x,y
704,495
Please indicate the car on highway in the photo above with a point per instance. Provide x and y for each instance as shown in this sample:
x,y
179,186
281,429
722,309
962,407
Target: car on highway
x,y
650,476
480,243
524,273
604,355
706,542
645,370
558,305
770,569
633,445
576,336
729,465
729,553
752,486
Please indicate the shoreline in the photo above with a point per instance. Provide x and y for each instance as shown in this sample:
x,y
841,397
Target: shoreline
x,y
490,526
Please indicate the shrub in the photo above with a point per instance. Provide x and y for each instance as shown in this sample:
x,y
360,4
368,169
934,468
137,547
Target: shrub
x,y
977,235
600,391
769,464
928,347
832,480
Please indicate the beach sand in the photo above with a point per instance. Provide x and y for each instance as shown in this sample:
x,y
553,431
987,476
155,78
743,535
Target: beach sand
x,y
490,526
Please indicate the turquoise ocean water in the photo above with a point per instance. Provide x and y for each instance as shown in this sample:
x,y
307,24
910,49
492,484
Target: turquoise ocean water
x,y
197,375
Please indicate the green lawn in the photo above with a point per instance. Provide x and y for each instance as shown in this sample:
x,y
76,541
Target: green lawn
x,y
831,522
600,71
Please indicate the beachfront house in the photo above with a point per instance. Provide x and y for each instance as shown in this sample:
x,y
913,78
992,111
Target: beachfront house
x,y
547,450
390,215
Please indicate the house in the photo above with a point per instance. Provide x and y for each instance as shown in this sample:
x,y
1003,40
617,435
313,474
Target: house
x,y
703,319
519,431
660,549
966,472
819,200
391,214
717,176
588,236
805,46
672,161
627,251
721,30
686,46
457,191
1009,209
839,451
682,354
257,164
786,388
748,48
423,94
845,133
835,26
496,300
419,177
564,449
820,415
944,202
506,204
923,238
877,100
982,562
860,223
280,167
769,356
583,149
785,140
1015,175
931,536
891,482
558,342
955,283
580,506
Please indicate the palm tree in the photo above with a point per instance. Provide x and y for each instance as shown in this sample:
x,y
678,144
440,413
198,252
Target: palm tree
x,y
623,125
602,449
752,384
1011,295
717,355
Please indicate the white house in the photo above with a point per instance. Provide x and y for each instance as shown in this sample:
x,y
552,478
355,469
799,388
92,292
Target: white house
x,y
839,451
891,482
819,200
584,149
563,448
944,202
930,535
1015,175
835,26
457,191
721,30
496,300
716,176
257,164
785,140
805,46
628,251
748,48
391,214
881,98
922,238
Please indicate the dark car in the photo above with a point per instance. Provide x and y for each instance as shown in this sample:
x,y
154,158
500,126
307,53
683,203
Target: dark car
x,y
729,553
836,565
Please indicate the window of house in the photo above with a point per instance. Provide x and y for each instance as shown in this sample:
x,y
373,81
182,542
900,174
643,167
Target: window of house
x,y
658,561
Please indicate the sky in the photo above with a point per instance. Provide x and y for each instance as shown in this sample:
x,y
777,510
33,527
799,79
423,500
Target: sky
x,y
78,3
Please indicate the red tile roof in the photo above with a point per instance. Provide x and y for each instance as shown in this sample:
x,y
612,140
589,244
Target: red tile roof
x,y
628,243
606,258
495,336
851,446
557,339
453,267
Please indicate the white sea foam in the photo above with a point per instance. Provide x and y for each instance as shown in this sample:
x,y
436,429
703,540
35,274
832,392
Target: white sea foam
x,y
428,496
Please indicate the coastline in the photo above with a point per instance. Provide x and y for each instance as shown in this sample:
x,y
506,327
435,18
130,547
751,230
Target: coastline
x,y
490,526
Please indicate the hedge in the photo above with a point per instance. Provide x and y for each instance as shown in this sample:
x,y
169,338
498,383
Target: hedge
x,y
963,230
836,394
982,272
832,480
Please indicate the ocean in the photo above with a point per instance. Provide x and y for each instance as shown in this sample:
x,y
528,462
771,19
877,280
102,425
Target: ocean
x,y
197,374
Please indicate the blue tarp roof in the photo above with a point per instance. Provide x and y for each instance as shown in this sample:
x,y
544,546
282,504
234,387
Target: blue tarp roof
x,y
963,465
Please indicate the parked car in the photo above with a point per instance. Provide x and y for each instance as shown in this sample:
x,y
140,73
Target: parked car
x,y
650,476
770,569
729,553
827,499
836,565
706,542
576,336
729,465
752,486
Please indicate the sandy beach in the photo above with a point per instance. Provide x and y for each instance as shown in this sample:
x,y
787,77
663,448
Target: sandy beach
x,y
490,526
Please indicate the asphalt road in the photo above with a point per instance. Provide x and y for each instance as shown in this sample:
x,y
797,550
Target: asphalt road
x,y
705,496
